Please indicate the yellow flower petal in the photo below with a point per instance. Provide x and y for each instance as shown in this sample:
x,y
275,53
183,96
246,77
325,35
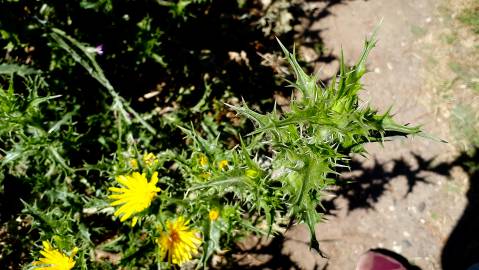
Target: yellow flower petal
x,y
134,164
115,189
178,242
203,160
149,159
213,214
154,179
134,220
53,259
135,196
223,164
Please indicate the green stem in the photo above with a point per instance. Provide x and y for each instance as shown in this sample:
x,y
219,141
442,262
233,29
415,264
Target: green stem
x,y
305,181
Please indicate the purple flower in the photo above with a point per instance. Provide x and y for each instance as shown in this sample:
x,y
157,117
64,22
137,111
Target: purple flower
x,y
99,49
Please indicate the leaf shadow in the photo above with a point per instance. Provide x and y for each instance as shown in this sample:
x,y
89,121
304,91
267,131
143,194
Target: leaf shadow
x,y
363,185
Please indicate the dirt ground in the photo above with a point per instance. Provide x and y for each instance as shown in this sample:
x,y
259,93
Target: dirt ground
x,y
404,199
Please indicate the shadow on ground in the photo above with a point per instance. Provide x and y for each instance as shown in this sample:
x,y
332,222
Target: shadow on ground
x,y
462,247
262,256
368,184
365,186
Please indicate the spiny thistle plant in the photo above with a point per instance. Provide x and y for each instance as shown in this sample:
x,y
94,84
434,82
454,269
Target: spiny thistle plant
x,y
275,180
179,207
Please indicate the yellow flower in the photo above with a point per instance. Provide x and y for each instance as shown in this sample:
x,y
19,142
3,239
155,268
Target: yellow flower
x,y
135,195
214,214
53,259
205,175
178,241
203,160
134,164
223,164
149,159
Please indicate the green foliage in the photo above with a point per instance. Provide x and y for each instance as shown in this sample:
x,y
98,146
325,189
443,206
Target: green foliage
x,y
465,125
143,46
272,179
76,117
470,16
36,140
324,126
81,55
27,138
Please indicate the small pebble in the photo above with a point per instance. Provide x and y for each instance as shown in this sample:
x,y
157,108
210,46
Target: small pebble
x,y
397,248
422,206
406,243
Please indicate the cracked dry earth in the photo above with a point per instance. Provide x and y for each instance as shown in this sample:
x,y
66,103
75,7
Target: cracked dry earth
x,y
402,203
